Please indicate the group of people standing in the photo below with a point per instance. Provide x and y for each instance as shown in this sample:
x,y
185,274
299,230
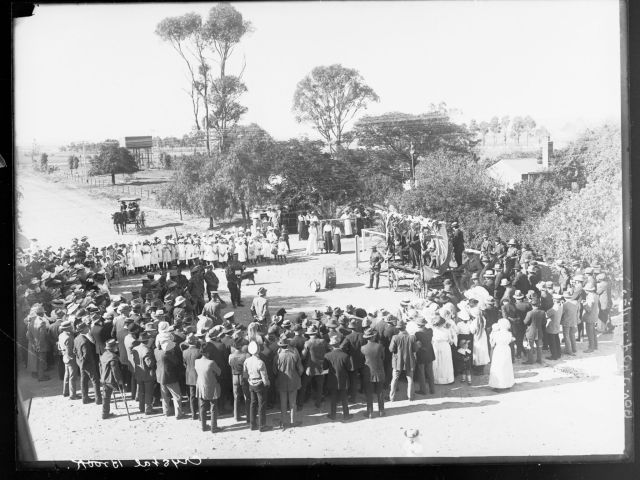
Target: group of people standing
x,y
324,235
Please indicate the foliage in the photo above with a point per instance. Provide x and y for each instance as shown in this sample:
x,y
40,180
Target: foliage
x,y
409,137
527,201
44,162
449,187
111,160
329,97
73,162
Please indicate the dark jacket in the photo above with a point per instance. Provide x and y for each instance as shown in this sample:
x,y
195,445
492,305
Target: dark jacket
x,y
374,355
167,366
189,357
220,354
337,362
403,346
288,368
110,366
85,352
144,363
351,346
425,352
212,281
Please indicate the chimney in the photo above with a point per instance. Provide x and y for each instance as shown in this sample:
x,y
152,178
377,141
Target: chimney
x,y
547,153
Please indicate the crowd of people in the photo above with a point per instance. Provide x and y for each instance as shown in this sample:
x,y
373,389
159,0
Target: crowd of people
x,y
169,344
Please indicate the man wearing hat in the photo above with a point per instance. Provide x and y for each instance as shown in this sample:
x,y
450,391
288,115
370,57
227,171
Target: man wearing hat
x,y
511,256
404,308
58,316
579,294
603,290
168,367
534,320
569,322
552,330
212,282
457,240
65,347
590,306
313,354
288,371
84,350
351,345
144,363
207,389
375,264
522,307
260,306
337,363
256,372
403,347
233,273
373,373
41,342
425,356
220,354
111,375
488,282
196,289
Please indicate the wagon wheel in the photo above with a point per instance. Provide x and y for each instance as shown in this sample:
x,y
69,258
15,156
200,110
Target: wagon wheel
x,y
417,286
393,280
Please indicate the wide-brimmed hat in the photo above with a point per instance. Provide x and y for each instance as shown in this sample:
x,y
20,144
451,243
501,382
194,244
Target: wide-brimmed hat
x,y
475,276
511,241
420,321
518,294
504,282
590,288
601,276
489,274
335,340
111,344
567,294
557,296
262,290
66,325
179,301
579,278
588,270
228,315
353,323
312,330
253,347
370,333
283,341
163,326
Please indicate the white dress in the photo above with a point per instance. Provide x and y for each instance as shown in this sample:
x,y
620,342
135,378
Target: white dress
x,y
348,229
241,248
480,347
166,254
443,364
251,250
501,374
182,252
266,249
154,257
222,252
312,243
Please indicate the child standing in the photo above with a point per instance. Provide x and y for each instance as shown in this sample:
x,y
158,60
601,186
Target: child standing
x,y
282,249
465,360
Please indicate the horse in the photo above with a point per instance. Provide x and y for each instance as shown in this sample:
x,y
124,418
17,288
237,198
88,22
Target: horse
x,y
119,222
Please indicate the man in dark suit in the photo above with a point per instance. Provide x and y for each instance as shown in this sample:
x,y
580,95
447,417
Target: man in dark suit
x,y
220,354
196,289
337,362
522,307
86,357
111,375
387,330
457,241
403,347
373,371
424,357
414,247
168,376
351,346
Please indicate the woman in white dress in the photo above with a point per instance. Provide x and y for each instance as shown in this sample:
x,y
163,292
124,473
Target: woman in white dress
x,y
480,345
312,243
166,254
348,229
266,250
443,364
223,251
182,251
145,251
154,257
501,373
241,249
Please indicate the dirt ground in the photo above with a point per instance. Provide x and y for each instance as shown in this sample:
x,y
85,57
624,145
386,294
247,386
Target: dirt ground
x,y
567,407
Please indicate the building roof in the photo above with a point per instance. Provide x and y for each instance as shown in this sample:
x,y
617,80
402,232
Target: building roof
x,y
510,170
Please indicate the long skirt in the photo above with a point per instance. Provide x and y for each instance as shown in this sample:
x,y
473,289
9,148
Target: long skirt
x,y
336,244
501,374
481,349
348,229
328,242
304,232
443,364
300,227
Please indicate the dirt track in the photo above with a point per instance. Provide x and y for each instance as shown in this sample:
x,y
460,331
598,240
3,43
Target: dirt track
x,y
567,407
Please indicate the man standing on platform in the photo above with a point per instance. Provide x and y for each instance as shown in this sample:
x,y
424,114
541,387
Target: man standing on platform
x,y
457,240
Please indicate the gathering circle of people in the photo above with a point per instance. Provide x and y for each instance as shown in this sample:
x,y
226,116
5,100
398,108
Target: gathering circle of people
x,y
170,340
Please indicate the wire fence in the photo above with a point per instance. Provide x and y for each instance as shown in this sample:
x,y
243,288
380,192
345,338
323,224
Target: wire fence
x,y
105,184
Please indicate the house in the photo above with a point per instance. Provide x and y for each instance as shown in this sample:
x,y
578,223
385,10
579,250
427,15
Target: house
x,y
510,171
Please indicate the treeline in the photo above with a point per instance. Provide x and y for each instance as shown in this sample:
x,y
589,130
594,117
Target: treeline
x,y
498,130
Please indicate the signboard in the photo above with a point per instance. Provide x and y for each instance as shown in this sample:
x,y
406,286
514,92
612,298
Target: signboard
x,y
138,142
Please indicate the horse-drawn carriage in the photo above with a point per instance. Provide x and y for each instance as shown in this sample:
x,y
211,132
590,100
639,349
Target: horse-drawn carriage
x,y
129,214
429,264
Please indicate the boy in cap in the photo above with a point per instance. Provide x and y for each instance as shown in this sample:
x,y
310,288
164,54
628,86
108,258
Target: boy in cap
x,y
337,364
111,375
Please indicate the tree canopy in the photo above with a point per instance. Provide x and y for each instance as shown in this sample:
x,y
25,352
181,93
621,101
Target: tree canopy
x,y
329,97
113,159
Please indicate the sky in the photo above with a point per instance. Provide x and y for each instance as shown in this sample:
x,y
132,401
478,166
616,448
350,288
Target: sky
x,y
91,72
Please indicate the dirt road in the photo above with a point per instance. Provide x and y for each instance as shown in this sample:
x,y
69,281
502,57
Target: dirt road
x,y
567,407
